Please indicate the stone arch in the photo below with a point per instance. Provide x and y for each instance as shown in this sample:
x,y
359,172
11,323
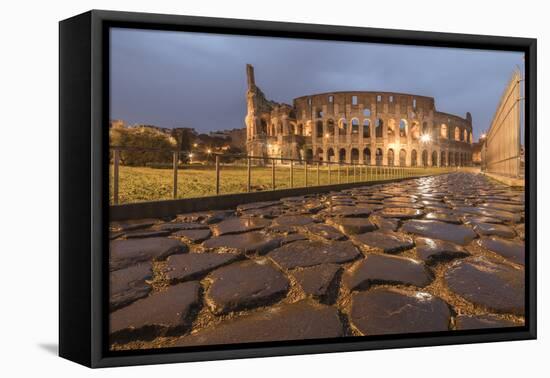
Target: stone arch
x,y
354,155
442,160
366,156
366,128
366,112
379,156
391,157
342,155
378,128
415,131
308,129
330,154
342,127
414,158
319,129
424,127
263,126
444,131
319,154
403,126
434,158
309,155
457,159
424,158
391,127
465,135
355,126
300,129
330,127
457,133
280,128
402,157
451,158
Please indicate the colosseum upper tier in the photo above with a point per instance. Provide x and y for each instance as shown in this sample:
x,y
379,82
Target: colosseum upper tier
x,y
374,128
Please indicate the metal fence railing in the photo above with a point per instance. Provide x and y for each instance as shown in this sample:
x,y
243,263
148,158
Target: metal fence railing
x,y
501,153
170,178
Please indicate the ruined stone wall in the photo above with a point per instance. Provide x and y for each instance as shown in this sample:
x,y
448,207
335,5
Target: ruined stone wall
x,y
376,128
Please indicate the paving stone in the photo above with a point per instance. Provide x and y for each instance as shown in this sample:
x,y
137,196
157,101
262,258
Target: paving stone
x,y
511,250
520,230
352,211
130,284
440,230
472,219
318,281
384,224
206,217
192,266
400,213
297,321
352,226
131,225
443,217
432,251
257,205
387,241
324,231
310,253
386,311
491,213
498,287
237,225
244,285
293,220
248,243
489,229
513,208
164,312
481,321
193,236
386,269
178,226
139,234
124,253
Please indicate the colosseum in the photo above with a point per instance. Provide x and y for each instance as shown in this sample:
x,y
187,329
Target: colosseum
x,y
374,128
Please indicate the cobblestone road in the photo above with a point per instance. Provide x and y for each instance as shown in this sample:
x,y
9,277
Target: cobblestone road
x,y
430,254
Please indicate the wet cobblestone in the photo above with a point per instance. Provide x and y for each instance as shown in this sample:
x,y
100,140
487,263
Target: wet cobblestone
x,y
429,254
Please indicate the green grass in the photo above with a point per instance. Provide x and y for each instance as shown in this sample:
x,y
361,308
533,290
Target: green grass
x,y
138,184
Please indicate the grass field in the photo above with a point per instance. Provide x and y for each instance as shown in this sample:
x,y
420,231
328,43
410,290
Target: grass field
x,y
138,184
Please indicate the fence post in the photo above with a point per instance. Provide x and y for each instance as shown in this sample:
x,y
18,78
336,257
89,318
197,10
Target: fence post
x,y
217,174
175,156
249,174
329,178
116,162
339,179
305,173
347,173
318,178
291,174
273,174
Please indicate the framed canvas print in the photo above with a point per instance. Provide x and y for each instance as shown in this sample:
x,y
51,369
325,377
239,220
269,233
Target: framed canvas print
x,y
234,188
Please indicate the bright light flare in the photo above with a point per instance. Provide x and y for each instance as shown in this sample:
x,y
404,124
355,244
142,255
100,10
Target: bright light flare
x,y
425,138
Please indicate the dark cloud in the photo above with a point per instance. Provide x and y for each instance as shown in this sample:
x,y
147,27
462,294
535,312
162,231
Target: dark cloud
x,y
174,79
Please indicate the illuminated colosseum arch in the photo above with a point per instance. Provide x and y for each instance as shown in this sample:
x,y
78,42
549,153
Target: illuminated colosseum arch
x,y
319,154
424,158
465,135
457,159
330,127
366,156
342,155
280,128
355,126
444,131
434,159
366,128
309,155
342,127
319,128
402,157
378,128
379,156
424,127
391,127
414,158
300,129
354,155
442,160
403,128
415,131
330,154
391,157
457,133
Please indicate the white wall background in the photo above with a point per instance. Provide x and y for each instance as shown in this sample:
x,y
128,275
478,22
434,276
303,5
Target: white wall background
x,y
29,186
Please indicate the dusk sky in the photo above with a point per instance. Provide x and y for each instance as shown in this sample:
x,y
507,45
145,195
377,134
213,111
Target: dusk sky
x,y
181,79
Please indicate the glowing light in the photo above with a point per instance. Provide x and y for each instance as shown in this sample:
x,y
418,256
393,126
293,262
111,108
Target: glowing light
x,y
425,138
190,155
327,135
209,151
195,145
483,136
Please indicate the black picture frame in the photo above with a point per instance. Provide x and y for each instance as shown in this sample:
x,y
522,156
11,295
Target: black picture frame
x,y
84,210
